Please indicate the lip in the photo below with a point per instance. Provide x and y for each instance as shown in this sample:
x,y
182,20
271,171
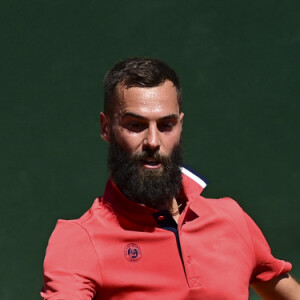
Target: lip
x,y
151,164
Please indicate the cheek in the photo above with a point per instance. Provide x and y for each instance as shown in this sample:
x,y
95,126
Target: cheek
x,y
128,141
170,141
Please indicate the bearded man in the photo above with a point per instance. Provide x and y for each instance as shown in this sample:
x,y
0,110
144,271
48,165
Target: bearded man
x,y
151,235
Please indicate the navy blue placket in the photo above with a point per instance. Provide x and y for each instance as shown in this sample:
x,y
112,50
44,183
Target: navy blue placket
x,y
165,220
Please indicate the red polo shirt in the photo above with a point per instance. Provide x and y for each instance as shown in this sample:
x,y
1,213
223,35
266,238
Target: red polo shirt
x,y
122,250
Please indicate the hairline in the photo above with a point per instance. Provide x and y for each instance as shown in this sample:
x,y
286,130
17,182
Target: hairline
x,y
114,97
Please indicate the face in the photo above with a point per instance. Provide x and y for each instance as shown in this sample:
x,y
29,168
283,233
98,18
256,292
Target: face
x,y
145,151
145,119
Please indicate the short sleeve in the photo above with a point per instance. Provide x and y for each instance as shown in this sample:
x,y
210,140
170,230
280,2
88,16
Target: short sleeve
x,y
71,267
267,266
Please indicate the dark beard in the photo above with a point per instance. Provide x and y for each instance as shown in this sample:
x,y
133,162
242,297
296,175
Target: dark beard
x,y
154,188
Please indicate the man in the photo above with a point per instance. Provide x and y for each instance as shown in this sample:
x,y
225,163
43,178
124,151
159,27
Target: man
x,y
152,236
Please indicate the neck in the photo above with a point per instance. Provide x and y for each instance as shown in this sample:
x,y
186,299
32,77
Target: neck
x,y
175,209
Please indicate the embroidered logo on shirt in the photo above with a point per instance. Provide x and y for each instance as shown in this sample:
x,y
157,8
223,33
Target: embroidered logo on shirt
x,y
133,252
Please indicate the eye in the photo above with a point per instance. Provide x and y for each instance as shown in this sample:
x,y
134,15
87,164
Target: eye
x,y
135,126
166,126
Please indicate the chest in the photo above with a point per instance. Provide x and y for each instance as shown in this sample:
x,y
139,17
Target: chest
x,y
206,260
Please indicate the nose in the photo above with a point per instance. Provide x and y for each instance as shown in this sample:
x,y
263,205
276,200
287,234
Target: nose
x,y
152,140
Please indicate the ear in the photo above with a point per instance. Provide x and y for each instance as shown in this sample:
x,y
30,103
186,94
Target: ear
x,y
105,127
181,118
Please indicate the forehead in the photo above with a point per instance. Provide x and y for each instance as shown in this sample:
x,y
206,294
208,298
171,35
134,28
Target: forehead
x,y
147,101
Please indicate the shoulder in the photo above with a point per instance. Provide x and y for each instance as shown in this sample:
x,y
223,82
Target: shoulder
x,y
71,238
76,228
224,211
226,214
226,207
87,216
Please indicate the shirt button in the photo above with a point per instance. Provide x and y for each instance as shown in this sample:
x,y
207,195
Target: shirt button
x,y
189,259
160,218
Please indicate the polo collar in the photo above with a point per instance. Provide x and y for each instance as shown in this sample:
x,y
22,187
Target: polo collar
x,y
128,211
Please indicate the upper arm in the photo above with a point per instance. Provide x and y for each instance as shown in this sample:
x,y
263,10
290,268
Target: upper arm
x,y
282,287
270,278
71,266
266,266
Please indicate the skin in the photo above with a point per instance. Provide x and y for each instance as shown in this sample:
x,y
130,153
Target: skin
x,y
149,118
283,287
145,118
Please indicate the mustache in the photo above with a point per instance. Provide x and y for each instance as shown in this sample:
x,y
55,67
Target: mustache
x,y
153,155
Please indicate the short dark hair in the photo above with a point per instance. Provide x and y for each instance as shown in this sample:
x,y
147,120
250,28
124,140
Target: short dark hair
x,y
138,72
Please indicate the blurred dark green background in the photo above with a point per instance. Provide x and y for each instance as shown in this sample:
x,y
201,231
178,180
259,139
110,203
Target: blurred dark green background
x,y
239,65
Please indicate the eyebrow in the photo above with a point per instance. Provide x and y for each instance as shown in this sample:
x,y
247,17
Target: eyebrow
x,y
130,114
